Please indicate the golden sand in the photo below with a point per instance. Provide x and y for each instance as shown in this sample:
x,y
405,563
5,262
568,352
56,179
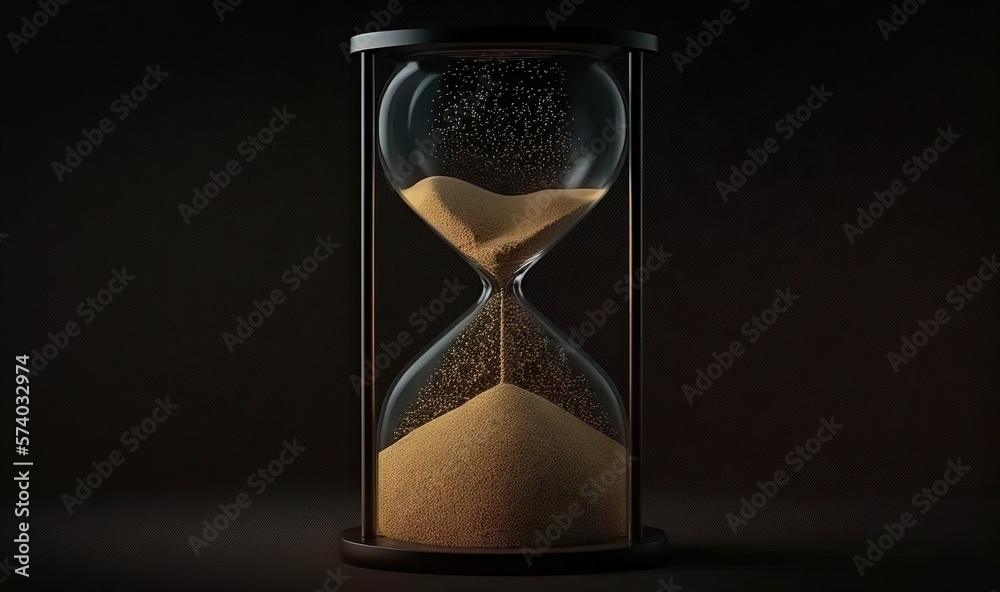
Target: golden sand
x,y
493,472
499,232
504,436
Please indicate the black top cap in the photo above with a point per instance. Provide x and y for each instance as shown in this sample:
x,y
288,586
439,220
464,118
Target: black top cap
x,y
407,43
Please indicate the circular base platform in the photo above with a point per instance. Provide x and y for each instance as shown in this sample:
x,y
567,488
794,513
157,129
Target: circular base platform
x,y
389,554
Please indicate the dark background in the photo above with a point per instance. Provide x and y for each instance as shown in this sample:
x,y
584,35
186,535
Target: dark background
x,y
827,356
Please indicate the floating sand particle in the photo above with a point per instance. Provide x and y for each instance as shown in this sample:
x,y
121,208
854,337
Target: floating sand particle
x,y
479,359
520,460
504,125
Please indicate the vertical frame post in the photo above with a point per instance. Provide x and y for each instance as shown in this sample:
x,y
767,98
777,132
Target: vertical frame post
x,y
369,452
636,253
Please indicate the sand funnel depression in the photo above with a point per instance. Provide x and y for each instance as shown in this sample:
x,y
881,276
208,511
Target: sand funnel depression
x,y
499,232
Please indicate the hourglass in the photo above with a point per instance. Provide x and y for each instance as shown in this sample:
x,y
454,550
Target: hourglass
x,y
503,447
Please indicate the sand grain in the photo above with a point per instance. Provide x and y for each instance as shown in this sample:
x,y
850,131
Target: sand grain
x,y
499,232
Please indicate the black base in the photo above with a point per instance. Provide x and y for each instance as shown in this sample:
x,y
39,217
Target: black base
x,y
389,554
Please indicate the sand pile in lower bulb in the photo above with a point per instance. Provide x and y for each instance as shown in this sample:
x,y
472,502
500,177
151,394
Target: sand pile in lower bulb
x,y
498,232
495,470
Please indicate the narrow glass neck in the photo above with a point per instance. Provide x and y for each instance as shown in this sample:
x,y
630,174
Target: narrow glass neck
x,y
510,286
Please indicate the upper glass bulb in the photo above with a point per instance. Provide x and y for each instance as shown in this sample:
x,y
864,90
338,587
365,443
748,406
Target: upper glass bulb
x,y
502,152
